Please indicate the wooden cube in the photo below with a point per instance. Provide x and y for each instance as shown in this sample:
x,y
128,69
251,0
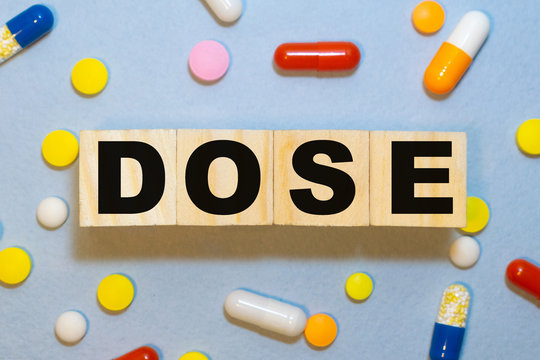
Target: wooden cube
x,y
112,167
321,177
418,178
224,177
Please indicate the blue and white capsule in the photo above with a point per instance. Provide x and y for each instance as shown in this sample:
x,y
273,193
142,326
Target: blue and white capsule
x,y
449,328
24,29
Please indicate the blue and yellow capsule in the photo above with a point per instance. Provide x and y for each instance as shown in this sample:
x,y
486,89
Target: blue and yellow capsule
x,y
449,328
24,29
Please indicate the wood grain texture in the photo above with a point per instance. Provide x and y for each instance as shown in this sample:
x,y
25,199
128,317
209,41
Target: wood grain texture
x,y
164,213
381,179
286,179
223,177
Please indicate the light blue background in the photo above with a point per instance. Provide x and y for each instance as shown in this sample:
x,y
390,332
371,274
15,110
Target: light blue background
x,y
183,274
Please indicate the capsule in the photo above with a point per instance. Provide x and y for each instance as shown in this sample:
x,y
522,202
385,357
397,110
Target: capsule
x,y
456,54
319,56
450,325
142,353
266,313
24,29
226,10
524,275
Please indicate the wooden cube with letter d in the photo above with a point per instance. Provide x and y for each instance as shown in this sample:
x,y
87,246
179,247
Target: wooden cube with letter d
x,y
127,177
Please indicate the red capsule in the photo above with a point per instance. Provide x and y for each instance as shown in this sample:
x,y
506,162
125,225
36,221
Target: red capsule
x,y
142,353
524,275
319,56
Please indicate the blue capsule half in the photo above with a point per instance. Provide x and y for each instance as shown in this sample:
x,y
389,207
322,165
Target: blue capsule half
x,y
31,24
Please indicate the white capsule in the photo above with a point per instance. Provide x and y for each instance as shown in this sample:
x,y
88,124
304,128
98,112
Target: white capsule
x,y
471,32
266,313
226,10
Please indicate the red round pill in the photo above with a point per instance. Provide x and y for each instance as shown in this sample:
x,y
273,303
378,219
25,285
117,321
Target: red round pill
x,y
319,56
524,275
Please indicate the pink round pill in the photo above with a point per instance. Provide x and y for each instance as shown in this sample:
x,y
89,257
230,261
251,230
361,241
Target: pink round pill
x,y
209,60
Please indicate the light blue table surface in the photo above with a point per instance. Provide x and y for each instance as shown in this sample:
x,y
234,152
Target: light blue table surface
x,y
183,274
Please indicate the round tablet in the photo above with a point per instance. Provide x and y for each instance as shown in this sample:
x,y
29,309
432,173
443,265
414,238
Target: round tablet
x,y
89,76
477,215
464,252
70,327
428,17
209,60
15,265
115,292
321,330
52,212
359,286
194,355
60,148
528,137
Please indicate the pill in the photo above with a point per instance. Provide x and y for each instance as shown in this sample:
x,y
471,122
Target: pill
x,y
319,56
142,353
24,29
528,137
477,215
265,312
359,286
60,148
457,52
428,17
226,10
15,265
89,76
115,292
464,252
524,275
194,355
209,60
70,327
52,212
450,324
321,330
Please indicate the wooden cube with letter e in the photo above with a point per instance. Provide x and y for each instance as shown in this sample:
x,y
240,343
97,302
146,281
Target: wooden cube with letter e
x,y
418,179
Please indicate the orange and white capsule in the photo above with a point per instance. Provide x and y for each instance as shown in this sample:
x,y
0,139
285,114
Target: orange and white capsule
x,y
456,54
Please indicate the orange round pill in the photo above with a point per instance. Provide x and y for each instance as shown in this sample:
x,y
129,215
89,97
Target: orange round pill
x,y
321,330
428,17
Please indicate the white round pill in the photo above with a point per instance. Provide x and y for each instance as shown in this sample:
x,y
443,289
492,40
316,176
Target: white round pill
x,y
71,327
464,252
52,212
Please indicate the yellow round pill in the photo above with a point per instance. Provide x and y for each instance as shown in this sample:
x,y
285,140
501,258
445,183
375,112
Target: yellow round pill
x,y
89,76
359,286
528,137
60,148
194,355
115,292
428,17
321,330
15,265
477,215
